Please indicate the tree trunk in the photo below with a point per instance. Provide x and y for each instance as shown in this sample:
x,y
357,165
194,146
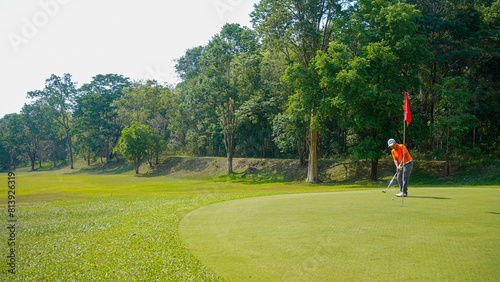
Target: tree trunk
x,y
150,158
230,141
70,147
53,160
345,142
312,169
374,170
136,165
33,160
228,122
229,163
12,161
108,154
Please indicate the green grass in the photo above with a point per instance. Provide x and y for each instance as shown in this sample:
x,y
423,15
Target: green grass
x,y
113,226
440,234
92,224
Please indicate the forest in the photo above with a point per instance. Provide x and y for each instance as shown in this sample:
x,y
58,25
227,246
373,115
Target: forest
x,y
310,80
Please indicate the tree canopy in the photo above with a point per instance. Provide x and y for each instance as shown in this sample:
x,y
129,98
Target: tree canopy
x,y
310,80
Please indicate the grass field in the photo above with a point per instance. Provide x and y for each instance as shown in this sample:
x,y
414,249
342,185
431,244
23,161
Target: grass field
x,y
440,234
87,225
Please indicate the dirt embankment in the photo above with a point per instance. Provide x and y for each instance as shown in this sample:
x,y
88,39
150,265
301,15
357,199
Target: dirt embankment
x,y
329,170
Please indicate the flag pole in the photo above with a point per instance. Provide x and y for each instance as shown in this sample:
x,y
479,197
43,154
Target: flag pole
x,y
404,147
407,119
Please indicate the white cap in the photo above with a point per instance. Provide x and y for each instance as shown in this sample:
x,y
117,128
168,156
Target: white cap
x,y
391,142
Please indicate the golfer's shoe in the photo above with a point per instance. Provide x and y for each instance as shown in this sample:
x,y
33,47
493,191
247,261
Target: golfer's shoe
x,y
402,195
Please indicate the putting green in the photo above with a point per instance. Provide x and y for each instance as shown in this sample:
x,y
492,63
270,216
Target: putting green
x,y
440,234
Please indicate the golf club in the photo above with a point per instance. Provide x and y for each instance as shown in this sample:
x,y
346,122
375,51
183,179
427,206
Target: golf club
x,y
390,183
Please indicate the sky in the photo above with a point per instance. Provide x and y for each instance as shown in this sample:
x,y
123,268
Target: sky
x,y
137,39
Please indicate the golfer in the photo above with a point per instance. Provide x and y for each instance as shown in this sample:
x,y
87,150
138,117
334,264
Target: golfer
x,y
400,152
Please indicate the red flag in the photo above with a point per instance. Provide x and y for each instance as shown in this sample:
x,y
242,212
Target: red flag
x,y
407,110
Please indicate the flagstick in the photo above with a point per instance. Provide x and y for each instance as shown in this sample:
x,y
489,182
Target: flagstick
x,y
407,119
404,147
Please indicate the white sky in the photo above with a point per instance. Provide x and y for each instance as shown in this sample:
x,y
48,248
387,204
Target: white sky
x,y
139,39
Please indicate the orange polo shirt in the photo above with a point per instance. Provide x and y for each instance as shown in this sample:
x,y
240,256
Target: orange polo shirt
x,y
397,154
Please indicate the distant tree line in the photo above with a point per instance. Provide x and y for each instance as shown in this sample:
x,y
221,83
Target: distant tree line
x,y
313,79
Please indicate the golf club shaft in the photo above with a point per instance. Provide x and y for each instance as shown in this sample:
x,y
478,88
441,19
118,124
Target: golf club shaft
x,y
391,182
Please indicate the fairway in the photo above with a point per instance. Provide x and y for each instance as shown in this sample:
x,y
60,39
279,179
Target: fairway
x,y
440,234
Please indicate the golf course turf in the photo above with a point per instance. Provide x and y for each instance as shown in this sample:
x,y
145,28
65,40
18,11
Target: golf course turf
x,y
110,225
440,234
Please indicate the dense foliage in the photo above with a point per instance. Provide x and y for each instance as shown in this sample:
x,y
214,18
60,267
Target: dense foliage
x,y
313,79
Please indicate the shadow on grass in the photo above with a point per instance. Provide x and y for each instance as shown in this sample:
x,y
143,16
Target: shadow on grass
x,y
244,178
494,213
50,166
114,167
435,198
183,165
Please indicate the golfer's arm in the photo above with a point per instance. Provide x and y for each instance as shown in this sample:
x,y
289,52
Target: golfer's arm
x,y
396,164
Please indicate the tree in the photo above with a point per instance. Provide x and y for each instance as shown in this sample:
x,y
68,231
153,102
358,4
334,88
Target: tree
x,y
195,122
452,117
4,154
134,143
368,67
257,108
38,126
222,65
148,103
92,131
26,140
462,37
288,135
28,130
156,145
8,132
299,30
97,122
60,94
188,66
